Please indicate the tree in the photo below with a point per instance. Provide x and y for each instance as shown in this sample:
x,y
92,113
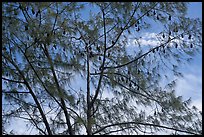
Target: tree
x,y
47,46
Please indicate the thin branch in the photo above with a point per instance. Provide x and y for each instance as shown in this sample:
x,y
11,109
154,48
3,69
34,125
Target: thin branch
x,y
35,124
134,91
88,113
103,63
113,131
10,92
58,88
145,124
20,100
122,30
125,64
78,116
11,80
38,76
33,95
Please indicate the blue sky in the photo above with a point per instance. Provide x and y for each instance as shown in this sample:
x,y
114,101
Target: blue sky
x,y
195,10
191,84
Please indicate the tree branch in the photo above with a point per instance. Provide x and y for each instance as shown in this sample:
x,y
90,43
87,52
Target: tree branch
x,y
58,88
24,53
11,80
88,96
33,95
145,124
125,64
103,63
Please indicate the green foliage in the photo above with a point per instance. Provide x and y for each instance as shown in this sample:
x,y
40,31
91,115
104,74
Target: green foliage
x,y
47,48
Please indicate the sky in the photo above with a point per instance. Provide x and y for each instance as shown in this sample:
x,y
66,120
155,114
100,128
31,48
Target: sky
x,y
195,10
191,84
188,86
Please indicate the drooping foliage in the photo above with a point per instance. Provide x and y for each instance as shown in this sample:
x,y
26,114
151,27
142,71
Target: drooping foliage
x,y
48,47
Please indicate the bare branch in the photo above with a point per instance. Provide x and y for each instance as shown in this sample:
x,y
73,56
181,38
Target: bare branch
x,y
145,124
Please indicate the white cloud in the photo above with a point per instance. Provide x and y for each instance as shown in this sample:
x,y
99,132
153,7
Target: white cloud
x,y
190,86
150,42
197,103
151,39
149,35
145,39
18,126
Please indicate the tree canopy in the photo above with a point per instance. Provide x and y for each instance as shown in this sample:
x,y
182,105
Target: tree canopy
x,y
48,48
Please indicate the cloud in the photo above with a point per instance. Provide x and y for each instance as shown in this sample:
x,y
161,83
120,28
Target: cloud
x,y
152,39
190,86
18,126
146,39
149,35
197,103
150,42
